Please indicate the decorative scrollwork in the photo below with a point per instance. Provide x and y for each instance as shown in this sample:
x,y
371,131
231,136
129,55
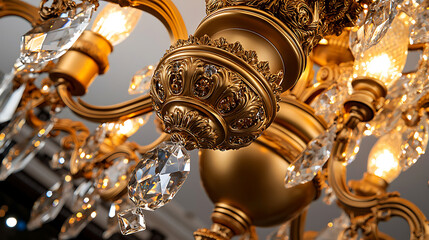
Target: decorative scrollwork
x,y
309,20
59,6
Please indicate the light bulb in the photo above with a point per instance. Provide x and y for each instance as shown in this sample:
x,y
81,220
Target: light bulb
x,y
385,60
115,23
385,156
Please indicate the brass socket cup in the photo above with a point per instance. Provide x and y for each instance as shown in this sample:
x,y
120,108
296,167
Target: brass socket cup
x,y
87,58
262,32
251,180
333,50
211,94
367,95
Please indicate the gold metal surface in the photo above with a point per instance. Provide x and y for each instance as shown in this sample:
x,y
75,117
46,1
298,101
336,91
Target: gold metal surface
x,y
212,94
83,62
20,9
369,185
252,178
256,30
333,50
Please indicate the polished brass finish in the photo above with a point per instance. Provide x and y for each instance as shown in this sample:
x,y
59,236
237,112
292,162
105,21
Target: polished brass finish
x,y
212,94
20,9
57,7
247,177
256,30
207,234
230,217
369,185
309,20
367,97
165,11
83,62
333,49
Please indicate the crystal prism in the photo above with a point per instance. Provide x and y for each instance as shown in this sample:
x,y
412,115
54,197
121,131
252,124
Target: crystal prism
x,y
280,234
28,144
112,222
141,80
48,206
61,160
131,221
335,228
329,195
9,98
329,103
414,142
84,195
420,28
159,176
354,137
54,37
115,174
77,222
312,159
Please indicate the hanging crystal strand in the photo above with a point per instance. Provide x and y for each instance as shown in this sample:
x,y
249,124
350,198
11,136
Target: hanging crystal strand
x,y
29,141
154,182
419,11
61,159
140,84
52,38
335,228
312,159
48,206
85,201
112,222
282,233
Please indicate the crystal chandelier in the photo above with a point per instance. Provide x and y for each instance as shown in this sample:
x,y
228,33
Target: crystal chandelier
x,y
272,133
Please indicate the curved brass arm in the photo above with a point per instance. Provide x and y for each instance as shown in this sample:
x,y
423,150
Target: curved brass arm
x,y
20,9
390,203
163,10
131,108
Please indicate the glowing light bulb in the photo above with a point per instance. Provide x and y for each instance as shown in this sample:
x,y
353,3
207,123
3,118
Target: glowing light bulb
x,y
385,156
386,60
115,23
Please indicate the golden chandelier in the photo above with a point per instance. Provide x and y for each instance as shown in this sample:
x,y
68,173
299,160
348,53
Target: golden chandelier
x,y
272,134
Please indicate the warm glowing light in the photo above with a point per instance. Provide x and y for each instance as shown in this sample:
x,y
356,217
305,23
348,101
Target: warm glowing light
x,y
384,157
68,178
45,89
79,214
323,41
11,222
115,23
128,127
385,60
93,214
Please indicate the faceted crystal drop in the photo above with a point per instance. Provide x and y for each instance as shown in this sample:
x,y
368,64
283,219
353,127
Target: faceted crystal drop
x,y
115,174
61,159
54,37
311,160
414,143
84,195
25,149
329,103
159,176
353,142
280,234
112,222
49,205
141,81
131,221
335,228
77,222
329,195
420,28
87,152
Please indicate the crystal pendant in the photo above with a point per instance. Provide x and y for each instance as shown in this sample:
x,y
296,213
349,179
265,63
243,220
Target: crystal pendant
x,y
280,234
329,103
54,37
312,159
61,159
414,142
131,221
335,228
354,137
84,195
9,102
329,195
26,147
112,222
77,222
378,20
141,81
115,174
49,205
420,29
159,176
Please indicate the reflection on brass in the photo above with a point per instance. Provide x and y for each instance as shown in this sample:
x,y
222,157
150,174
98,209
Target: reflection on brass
x,y
309,20
20,9
369,185
368,95
213,94
256,30
245,178
333,50
83,62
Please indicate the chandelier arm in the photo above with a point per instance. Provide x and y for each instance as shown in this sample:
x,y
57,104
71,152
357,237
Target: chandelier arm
x,y
138,106
297,226
163,10
144,149
20,9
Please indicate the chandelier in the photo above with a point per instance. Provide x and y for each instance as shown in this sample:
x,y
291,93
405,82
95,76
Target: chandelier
x,y
272,132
